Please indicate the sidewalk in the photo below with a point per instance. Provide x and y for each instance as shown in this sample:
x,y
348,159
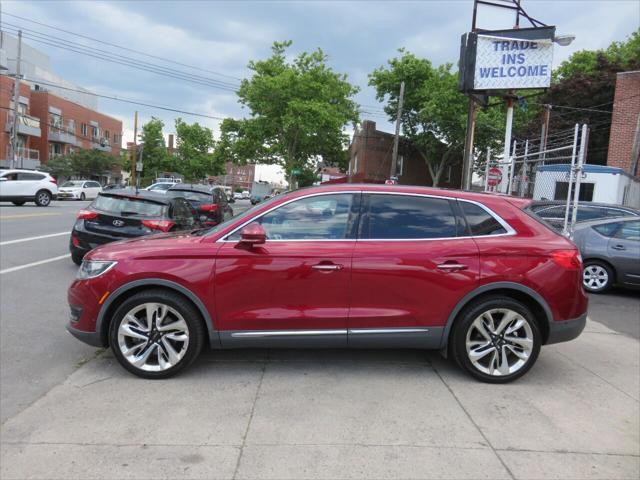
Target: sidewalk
x,y
284,414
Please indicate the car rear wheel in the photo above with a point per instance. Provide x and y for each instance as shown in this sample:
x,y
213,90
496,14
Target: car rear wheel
x,y
43,198
496,340
597,277
156,333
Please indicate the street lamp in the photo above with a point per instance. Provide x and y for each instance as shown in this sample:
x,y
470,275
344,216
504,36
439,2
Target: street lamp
x,y
564,40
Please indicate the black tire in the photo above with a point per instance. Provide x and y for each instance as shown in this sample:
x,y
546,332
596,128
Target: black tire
x,y
602,276
43,198
18,204
464,324
191,316
77,256
83,197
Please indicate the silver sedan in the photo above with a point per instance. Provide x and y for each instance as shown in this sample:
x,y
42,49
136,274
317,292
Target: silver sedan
x,y
611,253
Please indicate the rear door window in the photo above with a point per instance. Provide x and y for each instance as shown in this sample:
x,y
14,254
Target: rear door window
x,y
125,206
629,231
607,229
480,221
30,176
408,217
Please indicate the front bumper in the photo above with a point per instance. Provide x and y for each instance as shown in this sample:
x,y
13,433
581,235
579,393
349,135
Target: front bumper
x,y
91,338
563,331
70,195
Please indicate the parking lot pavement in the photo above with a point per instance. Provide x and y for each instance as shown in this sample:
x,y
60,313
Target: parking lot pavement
x,y
339,414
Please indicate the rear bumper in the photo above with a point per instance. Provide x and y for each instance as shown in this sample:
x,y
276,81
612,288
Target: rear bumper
x,y
566,330
91,338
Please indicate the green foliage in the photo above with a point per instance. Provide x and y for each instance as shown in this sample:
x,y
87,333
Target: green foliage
x,y
153,150
434,114
82,164
298,112
194,151
306,177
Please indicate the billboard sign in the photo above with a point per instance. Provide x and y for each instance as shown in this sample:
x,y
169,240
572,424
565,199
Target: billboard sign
x,y
506,59
512,64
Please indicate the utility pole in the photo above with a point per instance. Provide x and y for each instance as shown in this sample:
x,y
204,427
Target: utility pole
x,y
16,105
467,159
635,151
396,140
507,144
134,156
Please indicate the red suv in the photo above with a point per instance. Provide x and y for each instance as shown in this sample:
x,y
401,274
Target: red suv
x,y
473,275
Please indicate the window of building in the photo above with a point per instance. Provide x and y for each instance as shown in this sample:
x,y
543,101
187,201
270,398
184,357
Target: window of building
x,y
408,217
55,120
355,164
55,149
107,135
72,125
94,131
400,166
480,221
322,217
586,191
83,129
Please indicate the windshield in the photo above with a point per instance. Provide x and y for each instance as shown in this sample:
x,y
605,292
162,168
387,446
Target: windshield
x,y
128,206
72,184
192,196
161,186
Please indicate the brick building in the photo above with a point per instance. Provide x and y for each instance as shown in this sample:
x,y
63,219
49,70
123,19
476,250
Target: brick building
x,y
370,156
49,125
29,127
625,124
237,176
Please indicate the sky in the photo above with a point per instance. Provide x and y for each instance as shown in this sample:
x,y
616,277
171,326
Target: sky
x,y
223,36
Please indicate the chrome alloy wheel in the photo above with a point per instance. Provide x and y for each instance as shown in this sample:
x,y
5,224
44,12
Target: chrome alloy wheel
x,y
595,277
499,342
44,199
153,337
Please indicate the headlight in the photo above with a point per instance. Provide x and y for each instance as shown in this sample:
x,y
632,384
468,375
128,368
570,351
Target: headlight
x,y
93,268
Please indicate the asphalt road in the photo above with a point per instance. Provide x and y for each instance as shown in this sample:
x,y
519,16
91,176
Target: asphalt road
x,y
36,353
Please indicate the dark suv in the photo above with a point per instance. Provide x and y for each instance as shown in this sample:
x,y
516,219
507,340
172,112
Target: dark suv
x,y
118,215
211,203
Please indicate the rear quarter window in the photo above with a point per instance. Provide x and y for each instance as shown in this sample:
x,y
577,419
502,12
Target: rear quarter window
x,y
130,206
480,221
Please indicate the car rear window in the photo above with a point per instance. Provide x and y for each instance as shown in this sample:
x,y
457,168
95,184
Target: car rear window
x,y
129,206
194,196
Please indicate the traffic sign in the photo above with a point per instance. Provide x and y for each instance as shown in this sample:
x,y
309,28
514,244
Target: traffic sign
x,y
494,176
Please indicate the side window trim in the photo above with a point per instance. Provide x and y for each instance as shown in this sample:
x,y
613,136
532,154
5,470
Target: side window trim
x,y
357,200
509,229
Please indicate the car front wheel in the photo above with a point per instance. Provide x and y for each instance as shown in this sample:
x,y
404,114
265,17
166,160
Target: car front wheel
x,y
597,277
156,333
43,198
496,340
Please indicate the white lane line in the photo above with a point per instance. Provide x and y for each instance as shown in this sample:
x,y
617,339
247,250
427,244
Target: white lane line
x,y
29,239
34,264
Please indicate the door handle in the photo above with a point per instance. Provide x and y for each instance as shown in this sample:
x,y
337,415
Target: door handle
x,y
327,267
618,247
452,267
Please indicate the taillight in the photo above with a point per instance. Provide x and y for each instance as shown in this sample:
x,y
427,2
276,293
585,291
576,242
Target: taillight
x,y
569,259
209,208
53,180
162,225
86,214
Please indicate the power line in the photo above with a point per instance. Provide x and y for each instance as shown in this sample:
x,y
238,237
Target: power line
x,y
121,47
34,34
124,100
131,64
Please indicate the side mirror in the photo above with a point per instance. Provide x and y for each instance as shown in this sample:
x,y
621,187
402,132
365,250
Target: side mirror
x,y
253,234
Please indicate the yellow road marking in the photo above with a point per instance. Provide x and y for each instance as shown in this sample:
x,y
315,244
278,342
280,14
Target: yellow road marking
x,y
28,215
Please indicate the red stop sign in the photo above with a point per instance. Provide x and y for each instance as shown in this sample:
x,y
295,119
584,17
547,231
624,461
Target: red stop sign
x,y
494,176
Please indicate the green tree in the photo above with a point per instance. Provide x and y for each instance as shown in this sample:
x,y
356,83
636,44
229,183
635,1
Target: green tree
x,y
153,150
194,151
434,114
298,111
59,167
83,164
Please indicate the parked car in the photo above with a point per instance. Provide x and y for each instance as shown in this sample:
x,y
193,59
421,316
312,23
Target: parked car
x,y
161,187
237,195
79,190
21,186
553,211
611,253
470,274
114,186
124,214
210,203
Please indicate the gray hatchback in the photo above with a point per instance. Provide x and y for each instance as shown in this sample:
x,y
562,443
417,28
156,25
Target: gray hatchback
x,y
611,253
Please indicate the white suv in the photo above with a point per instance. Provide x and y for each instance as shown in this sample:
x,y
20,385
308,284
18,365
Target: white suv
x,y
20,186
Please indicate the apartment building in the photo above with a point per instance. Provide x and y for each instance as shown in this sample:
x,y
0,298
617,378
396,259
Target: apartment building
x,y
28,126
67,126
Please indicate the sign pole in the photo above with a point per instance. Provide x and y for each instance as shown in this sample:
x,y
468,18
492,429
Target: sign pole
x,y
467,160
507,144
